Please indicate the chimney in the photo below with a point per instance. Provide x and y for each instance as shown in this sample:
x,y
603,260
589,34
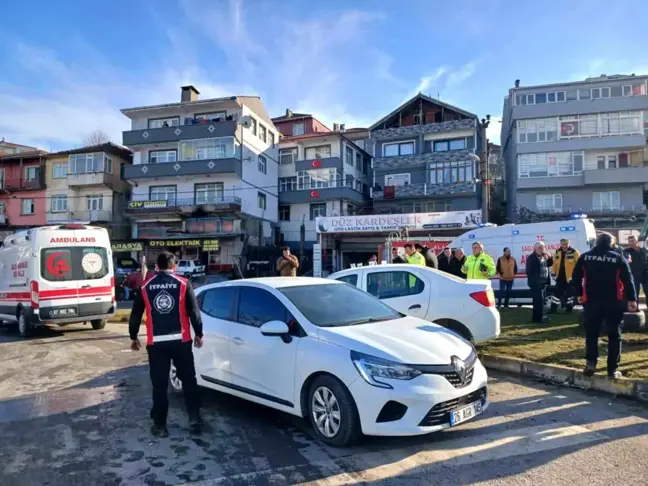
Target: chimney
x,y
289,113
517,83
189,94
336,127
342,127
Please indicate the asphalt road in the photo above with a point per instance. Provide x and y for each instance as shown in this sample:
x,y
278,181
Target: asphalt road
x,y
74,411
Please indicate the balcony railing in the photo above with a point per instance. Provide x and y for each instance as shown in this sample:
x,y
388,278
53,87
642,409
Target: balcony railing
x,y
22,184
425,190
184,205
211,129
99,215
90,179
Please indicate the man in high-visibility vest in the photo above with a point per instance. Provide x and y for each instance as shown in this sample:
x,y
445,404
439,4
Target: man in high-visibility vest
x,y
412,256
479,265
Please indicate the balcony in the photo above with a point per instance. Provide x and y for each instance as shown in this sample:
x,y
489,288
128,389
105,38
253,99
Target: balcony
x,y
96,216
626,175
91,179
416,130
212,129
421,160
186,206
22,184
428,190
526,215
183,168
321,194
322,163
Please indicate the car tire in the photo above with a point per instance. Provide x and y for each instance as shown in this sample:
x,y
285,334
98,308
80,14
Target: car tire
x,y
328,398
25,328
98,324
174,381
634,321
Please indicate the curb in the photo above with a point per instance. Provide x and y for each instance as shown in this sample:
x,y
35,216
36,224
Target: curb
x,y
560,375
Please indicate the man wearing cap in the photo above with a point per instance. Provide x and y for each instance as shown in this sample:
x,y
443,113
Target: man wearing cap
x,y
564,262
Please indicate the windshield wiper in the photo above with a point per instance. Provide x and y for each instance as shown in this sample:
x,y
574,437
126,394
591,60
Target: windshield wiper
x,y
368,320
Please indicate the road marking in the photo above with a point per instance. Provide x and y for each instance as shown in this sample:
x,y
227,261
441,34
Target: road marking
x,y
373,466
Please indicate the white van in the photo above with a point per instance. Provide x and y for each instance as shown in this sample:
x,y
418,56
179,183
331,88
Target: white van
x,y
521,238
58,274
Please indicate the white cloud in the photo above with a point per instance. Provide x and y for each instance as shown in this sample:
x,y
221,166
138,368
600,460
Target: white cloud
x,y
460,75
494,129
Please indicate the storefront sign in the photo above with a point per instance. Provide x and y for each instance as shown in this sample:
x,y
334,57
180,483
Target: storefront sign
x,y
317,260
173,243
210,245
147,204
397,222
130,246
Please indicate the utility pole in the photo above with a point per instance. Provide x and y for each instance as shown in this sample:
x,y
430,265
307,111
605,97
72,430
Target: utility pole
x,y
482,163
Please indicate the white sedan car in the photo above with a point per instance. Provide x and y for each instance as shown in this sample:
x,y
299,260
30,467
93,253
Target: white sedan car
x,y
466,307
331,353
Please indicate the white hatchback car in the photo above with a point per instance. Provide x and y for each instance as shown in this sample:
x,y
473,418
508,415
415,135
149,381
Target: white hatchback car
x,y
466,307
329,352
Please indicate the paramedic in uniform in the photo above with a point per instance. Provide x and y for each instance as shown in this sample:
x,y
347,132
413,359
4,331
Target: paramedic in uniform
x,y
170,306
564,262
603,282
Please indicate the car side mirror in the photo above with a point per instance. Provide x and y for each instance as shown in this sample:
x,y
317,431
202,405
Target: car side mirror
x,y
274,328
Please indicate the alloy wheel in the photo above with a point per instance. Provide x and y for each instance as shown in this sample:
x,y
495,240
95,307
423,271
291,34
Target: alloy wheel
x,y
326,412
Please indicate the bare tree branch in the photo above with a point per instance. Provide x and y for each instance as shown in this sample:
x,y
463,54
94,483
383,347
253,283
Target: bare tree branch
x,y
97,137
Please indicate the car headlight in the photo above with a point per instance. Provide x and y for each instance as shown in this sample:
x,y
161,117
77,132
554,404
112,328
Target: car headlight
x,y
372,369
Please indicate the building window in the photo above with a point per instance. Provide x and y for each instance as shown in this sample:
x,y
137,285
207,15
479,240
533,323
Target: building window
x,y
271,138
58,204
605,124
261,165
398,148
209,193
634,90
537,130
317,210
27,206
397,180
162,156
287,156
163,193
94,203
552,164
321,152
350,209
444,145
349,156
284,213
59,170
207,148
317,179
358,161
261,200
262,132
606,162
606,201
298,129
1,178
452,172
109,165
164,122
216,116
253,125
87,163
549,202
540,98
366,163
31,173
287,184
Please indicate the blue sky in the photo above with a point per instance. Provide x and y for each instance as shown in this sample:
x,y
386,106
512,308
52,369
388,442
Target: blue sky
x,y
67,67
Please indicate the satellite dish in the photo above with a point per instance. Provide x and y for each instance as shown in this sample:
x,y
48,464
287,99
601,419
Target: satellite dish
x,y
246,122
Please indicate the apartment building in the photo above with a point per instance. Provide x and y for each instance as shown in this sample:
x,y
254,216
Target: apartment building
x,y
577,147
425,158
8,148
85,185
22,191
204,177
322,172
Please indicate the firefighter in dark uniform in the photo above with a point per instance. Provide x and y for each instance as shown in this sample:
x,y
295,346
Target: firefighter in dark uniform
x,y
603,282
170,306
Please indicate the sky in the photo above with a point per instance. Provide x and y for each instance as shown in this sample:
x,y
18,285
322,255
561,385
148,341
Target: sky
x,y
68,67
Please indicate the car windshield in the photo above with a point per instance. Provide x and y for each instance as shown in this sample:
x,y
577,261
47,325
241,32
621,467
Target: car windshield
x,y
338,304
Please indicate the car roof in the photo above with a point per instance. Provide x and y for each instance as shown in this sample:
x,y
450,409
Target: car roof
x,y
389,266
275,282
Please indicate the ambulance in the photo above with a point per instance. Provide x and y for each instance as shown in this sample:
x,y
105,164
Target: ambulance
x,y
61,274
521,239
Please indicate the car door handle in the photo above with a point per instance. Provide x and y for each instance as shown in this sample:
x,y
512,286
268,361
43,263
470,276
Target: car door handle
x,y
85,286
238,341
415,306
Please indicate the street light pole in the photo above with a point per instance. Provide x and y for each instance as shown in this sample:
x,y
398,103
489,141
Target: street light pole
x,y
482,164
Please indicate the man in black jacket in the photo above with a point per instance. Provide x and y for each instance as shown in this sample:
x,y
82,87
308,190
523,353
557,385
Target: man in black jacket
x,y
457,263
396,258
445,260
603,282
429,255
170,305
537,269
638,259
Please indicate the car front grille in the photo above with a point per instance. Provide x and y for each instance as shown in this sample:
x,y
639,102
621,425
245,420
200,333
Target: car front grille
x,y
440,413
450,373
455,379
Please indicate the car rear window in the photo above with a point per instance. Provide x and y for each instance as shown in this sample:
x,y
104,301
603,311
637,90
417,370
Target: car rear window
x,y
64,264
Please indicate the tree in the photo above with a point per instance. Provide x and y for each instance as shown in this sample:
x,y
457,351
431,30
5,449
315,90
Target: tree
x,y
97,137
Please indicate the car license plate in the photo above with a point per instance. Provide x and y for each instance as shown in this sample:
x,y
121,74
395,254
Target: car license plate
x,y
71,311
466,413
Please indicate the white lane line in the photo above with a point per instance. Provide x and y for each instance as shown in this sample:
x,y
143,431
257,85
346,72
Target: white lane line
x,y
466,450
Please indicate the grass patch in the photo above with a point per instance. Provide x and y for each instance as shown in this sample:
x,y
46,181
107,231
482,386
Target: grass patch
x,y
122,315
562,341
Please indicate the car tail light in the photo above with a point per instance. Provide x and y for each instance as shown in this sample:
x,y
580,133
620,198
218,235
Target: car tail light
x,y
484,297
33,287
112,289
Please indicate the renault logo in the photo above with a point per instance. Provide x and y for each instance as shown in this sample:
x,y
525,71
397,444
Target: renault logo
x,y
459,367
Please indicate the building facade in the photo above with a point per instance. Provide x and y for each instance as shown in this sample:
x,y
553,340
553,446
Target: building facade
x,y
22,191
204,177
425,159
85,185
577,147
321,173
8,148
